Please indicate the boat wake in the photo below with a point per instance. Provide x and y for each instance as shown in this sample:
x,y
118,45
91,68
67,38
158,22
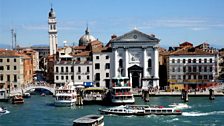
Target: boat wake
x,y
7,112
202,114
180,106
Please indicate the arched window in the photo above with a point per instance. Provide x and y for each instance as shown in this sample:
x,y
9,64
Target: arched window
x,y
199,60
205,60
210,60
149,63
121,63
189,60
184,60
194,60
173,60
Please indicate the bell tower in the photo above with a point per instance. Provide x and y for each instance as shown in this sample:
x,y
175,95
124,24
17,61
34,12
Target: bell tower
x,y
52,30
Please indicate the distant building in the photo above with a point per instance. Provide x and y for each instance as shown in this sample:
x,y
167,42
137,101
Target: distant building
x,y
191,68
16,69
52,30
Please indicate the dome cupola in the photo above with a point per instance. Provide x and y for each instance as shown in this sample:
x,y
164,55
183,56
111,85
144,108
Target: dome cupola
x,y
85,39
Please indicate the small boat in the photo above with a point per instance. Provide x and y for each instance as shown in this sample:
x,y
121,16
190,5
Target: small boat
x,y
140,110
89,120
17,99
26,95
3,110
43,94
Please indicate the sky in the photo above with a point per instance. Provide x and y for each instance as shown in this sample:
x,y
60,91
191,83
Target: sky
x,y
171,21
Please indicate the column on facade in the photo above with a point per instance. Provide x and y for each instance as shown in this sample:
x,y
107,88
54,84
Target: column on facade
x,y
144,63
156,62
115,63
126,62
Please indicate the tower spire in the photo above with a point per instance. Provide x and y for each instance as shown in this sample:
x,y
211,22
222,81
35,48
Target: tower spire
x,y
87,29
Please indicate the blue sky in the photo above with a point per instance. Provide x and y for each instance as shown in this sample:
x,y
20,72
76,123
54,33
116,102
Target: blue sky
x,y
172,21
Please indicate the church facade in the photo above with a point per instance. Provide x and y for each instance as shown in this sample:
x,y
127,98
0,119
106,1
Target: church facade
x,y
135,55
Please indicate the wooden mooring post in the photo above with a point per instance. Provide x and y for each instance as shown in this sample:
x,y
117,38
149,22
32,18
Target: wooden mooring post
x,y
211,94
184,95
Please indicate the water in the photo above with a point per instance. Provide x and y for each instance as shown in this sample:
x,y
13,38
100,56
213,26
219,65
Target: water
x,y
39,111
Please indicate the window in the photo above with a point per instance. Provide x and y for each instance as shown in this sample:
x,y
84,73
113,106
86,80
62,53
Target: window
x,y
199,77
210,77
194,60
1,67
62,77
14,60
210,69
210,60
14,67
179,77
173,77
199,60
8,67
1,60
79,69
72,70
194,69
66,68
15,78
62,69
87,77
205,77
189,76
107,74
173,69
184,69
205,69
184,61
149,63
1,77
8,78
107,57
66,78
195,77
97,77
97,66
56,77
97,57
7,60
87,69
120,63
78,59
72,77
205,60
107,66
173,60
189,69
189,60
184,77
199,69
178,69
79,77
178,61
56,69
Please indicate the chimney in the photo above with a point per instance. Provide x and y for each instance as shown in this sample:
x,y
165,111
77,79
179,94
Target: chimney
x,y
113,36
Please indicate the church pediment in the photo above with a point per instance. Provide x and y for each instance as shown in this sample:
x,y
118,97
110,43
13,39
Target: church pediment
x,y
136,35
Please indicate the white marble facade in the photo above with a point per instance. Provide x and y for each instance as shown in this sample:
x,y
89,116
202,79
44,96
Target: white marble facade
x,y
135,55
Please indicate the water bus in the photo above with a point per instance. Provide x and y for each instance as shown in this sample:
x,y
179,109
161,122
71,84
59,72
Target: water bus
x,y
89,120
121,91
17,99
94,94
65,96
140,110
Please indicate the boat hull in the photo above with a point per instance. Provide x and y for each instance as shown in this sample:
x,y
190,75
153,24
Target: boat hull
x,y
64,103
140,113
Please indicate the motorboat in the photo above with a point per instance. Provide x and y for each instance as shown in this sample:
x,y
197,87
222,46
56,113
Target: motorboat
x,y
65,96
121,91
89,120
26,95
17,99
3,110
94,94
140,110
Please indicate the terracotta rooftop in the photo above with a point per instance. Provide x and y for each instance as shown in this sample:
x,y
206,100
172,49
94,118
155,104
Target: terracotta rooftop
x,y
84,53
9,53
190,51
79,47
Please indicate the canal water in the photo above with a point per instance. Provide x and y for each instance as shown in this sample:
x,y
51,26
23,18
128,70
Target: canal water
x,y
39,111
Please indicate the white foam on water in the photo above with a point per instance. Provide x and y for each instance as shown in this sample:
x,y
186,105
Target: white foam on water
x,y
180,106
202,114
